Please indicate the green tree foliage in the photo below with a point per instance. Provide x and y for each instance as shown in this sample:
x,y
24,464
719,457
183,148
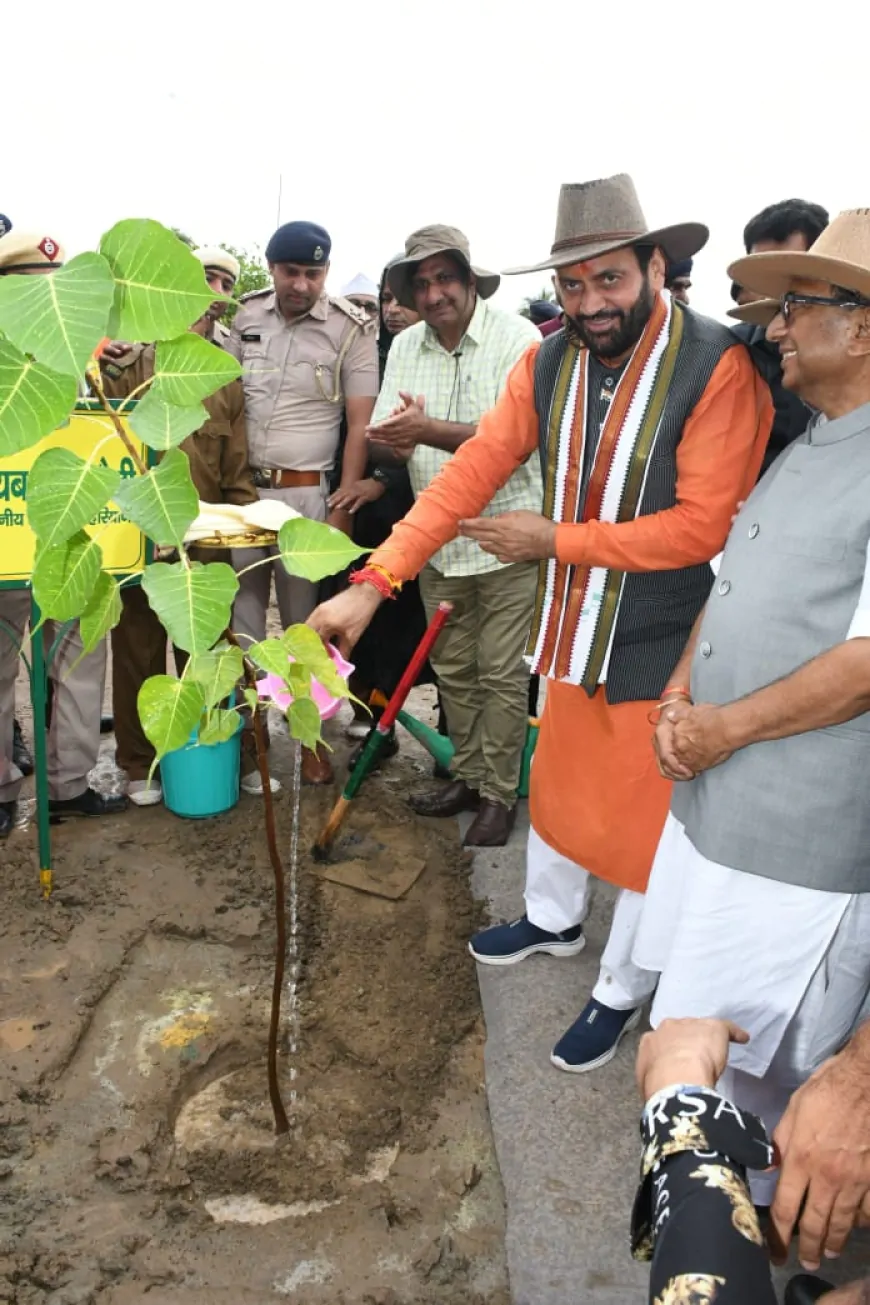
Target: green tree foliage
x,y
254,276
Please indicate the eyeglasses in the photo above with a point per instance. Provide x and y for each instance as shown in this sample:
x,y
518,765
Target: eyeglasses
x,y
792,298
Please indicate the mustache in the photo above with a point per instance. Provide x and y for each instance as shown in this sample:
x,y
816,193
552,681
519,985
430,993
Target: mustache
x,y
613,315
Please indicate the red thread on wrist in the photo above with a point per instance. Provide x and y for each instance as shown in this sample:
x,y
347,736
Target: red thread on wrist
x,y
377,579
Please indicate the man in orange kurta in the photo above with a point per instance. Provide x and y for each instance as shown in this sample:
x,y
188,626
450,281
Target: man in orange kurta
x,y
651,424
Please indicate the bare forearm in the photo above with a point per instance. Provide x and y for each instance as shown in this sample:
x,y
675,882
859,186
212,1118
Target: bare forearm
x,y
356,453
830,689
447,435
680,676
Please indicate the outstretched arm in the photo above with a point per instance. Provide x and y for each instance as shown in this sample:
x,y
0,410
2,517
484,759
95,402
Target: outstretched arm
x,y
506,436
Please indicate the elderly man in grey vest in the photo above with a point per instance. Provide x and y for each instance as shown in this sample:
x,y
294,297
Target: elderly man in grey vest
x,y
759,901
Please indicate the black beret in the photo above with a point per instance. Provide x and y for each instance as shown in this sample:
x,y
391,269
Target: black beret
x,y
541,310
5,224
299,242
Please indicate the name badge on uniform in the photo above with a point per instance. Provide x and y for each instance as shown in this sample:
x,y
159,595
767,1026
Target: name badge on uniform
x,y
251,337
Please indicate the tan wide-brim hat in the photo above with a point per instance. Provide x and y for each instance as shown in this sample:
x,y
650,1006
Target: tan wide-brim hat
x,y
29,251
595,217
760,312
840,256
425,243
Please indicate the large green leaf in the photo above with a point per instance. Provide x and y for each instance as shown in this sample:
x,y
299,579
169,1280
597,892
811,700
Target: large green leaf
x,y
163,425
102,613
64,492
217,672
59,317
65,575
188,369
169,710
302,643
194,603
220,726
303,719
313,550
162,503
160,287
271,656
33,400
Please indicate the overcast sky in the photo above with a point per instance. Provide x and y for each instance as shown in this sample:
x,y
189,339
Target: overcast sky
x,y
384,116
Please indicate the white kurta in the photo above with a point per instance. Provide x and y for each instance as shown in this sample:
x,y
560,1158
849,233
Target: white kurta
x,y
755,951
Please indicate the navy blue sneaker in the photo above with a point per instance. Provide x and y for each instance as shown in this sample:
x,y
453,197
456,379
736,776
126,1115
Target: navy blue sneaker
x,y
506,944
594,1038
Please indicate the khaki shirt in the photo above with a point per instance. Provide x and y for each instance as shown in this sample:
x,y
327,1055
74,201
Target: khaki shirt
x,y
218,451
294,402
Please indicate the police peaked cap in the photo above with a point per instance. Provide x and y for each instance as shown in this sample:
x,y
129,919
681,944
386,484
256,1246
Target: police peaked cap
x,y
299,242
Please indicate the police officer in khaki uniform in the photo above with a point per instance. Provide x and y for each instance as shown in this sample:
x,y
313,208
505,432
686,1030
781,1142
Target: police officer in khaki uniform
x,y
309,359
74,731
218,455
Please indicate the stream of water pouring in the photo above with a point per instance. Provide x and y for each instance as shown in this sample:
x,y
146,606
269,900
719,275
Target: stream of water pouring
x,y
293,948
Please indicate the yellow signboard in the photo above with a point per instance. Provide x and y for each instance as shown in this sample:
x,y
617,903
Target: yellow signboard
x,y
91,435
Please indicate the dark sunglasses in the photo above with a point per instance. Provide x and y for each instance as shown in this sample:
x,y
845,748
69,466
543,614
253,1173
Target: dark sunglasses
x,y
793,298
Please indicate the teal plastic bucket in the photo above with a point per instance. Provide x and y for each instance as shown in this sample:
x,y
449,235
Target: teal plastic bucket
x,y
201,780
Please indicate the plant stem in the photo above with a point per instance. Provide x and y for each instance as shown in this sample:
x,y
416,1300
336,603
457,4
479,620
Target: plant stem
x,y
282,1124
141,467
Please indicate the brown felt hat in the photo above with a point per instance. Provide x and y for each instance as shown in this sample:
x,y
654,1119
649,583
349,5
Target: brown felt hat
x,y
760,312
595,217
840,256
436,240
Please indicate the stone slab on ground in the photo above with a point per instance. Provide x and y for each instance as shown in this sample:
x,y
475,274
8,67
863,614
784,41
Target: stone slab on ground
x,y
567,1144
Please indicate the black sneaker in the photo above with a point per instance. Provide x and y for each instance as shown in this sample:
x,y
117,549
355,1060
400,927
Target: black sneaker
x,y
89,803
593,1039
507,944
22,757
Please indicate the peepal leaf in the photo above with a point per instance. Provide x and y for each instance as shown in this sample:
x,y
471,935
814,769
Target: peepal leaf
x,y
162,503
102,613
306,646
169,710
163,425
193,602
160,288
271,656
188,369
313,550
220,726
64,493
60,317
303,719
65,576
217,673
33,400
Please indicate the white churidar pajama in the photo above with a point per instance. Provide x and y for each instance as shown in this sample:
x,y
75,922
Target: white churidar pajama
x,y
556,896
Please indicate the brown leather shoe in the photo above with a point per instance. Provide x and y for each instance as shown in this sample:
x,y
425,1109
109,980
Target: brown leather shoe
x,y
492,826
446,801
316,766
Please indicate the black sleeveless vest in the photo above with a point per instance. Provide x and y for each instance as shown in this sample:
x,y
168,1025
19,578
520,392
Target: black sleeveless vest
x,y
658,608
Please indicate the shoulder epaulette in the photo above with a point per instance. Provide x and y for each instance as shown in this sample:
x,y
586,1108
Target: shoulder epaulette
x,y
353,311
256,294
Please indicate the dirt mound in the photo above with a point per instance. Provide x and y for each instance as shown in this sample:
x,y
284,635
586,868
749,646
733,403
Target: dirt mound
x,y
137,1155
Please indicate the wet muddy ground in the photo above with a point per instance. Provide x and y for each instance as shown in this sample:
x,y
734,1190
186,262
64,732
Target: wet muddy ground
x,y
137,1157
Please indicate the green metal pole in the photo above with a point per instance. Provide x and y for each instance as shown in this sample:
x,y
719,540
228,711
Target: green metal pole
x,y
38,696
